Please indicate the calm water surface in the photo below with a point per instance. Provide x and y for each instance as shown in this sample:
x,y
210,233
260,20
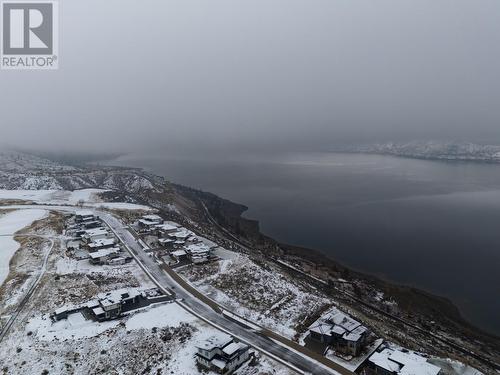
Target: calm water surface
x,y
435,225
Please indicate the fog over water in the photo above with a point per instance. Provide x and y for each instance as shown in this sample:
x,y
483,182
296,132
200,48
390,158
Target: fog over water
x,y
429,224
197,77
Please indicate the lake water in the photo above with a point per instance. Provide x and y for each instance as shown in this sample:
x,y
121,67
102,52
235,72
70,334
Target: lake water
x,y
430,224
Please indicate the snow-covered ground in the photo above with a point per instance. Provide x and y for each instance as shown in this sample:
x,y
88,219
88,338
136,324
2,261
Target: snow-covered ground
x,y
262,295
10,223
161,337
87,197
450,367
54,196
74,328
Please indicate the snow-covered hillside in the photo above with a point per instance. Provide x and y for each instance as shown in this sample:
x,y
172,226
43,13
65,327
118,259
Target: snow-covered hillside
x,y
29,172
435,150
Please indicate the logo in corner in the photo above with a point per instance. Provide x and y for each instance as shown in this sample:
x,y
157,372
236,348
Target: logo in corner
x,y
29,35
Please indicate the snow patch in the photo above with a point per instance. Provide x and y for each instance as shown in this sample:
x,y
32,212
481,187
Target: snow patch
x,y
10,223
74,327
167,315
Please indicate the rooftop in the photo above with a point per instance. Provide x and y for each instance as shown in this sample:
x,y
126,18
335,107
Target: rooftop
x,y
96,232
198,248
231,348
167,226
219,363
117,296
336,322
178,253
216,341
152,218
102,242
181,233
403,363
104,252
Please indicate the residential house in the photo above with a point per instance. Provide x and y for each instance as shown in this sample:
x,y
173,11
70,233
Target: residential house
x,y
110,305
181,234
91,235
118,261
113,304
149,222
87,225
102,243
179,255
338,330
103,256
198,253
84,216
167,243
162,230
221,354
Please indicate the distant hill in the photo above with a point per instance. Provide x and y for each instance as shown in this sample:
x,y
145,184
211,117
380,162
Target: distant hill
x,y
464,151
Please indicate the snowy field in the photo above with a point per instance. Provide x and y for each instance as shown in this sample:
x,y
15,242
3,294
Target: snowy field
x,y
243,287
160,339
89,197
10,223
55,196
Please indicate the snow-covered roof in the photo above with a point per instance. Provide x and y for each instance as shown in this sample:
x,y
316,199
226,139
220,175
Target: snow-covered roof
x,y
199,248
219,363
96,232
339,323
93,303
231,348
219,340
165,240
356,334
403,363
166,226
104,252
152,218
178,253
84,213
98,311
345,321
102,242
182,233
147,223
117,296
322,328
61,310
338,330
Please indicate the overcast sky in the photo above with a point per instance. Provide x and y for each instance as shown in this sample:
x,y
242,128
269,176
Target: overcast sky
x,y
260,74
